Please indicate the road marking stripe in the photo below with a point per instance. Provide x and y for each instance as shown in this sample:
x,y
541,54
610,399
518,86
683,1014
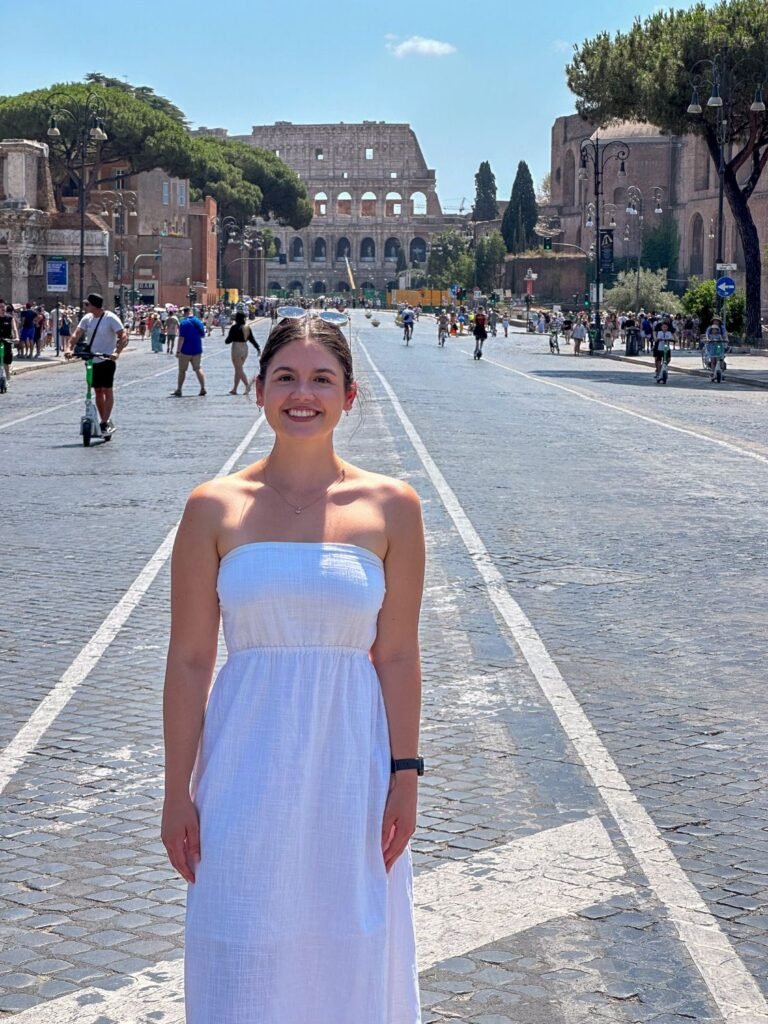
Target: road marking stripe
x,y
460,907
78,401
732,986
628,412
51,706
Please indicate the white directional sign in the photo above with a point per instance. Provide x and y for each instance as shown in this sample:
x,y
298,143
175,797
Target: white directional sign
x,y
460,906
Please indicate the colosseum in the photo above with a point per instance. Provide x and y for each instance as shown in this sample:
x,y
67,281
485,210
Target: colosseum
x,y
373,195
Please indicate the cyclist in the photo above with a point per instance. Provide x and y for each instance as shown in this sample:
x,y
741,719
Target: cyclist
x,y
442,328
714,336
407,319
493,318
662,347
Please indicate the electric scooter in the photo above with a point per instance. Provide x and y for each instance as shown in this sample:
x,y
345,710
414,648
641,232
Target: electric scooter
x,y
663,371
713,359
3,378
90,424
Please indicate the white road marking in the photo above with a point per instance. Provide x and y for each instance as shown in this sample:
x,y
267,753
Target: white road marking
x,y
629,412
732,986
51,706
460,907
78,401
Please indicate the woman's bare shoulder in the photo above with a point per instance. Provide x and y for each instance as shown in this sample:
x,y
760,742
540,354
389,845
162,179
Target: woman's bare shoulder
x,y
387,489
211,501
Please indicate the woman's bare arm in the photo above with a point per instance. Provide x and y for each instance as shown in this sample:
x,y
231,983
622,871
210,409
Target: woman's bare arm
x,y
395,655
189,669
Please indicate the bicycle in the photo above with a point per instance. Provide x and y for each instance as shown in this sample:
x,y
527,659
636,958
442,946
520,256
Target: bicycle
x,y
407,332
442,334
554,345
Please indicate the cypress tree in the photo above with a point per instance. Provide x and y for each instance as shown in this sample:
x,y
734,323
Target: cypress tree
x,y
520,217
485,207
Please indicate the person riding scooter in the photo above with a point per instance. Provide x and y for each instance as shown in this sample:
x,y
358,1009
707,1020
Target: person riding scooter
x,y
715,336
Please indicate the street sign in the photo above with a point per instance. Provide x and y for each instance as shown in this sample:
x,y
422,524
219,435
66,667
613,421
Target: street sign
x,y
477,293
725,286
56,274
726,268
606,249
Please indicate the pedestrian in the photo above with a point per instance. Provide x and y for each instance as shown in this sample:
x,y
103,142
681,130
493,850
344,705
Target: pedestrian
x,y
191,334
158,335
579,333
27,318
505,324
8,336
65,329
209,318
480,333
105,338
171,332
240,334
293,827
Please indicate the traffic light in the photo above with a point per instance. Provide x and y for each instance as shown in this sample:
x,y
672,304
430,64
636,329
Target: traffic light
x,y
586,300
548,244
192,296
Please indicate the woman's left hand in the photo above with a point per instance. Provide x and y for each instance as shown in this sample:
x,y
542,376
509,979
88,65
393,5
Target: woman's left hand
x,y
399,822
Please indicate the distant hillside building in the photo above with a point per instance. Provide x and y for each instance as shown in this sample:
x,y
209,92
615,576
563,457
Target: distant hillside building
x,y
373,197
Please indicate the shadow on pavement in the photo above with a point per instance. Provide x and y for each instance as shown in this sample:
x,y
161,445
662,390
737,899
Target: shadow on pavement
x,y
646,379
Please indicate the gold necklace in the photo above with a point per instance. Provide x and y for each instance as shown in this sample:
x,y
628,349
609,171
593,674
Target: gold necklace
x,y
298,509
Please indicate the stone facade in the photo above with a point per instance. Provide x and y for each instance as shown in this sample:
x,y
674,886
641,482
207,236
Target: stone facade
x,y
373,195
680,166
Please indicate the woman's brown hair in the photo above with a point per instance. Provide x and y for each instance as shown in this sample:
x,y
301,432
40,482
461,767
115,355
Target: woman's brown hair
x,y
330,336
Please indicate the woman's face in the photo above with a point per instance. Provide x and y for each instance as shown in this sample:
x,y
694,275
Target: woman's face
x,y
303,393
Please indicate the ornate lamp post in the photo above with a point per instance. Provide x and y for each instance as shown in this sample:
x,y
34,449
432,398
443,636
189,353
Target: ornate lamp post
x,y
87,124
117,203
599,154
719,76
635,208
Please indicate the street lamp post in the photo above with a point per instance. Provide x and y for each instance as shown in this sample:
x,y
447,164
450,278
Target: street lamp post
x,y
118,203
599,155
87,120
719,76
635,208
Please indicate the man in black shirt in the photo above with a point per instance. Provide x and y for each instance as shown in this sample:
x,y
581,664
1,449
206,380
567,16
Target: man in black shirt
x,y
8,335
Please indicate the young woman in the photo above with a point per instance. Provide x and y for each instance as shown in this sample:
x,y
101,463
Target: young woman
x,y
239,336
291,788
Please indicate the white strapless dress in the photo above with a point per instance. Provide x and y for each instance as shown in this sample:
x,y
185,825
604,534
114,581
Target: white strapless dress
x,y
293,918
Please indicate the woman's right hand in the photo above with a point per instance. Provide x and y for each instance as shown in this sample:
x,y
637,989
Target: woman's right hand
x,y
180,833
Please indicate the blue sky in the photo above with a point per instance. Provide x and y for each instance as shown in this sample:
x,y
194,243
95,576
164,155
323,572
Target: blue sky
x,y
477,81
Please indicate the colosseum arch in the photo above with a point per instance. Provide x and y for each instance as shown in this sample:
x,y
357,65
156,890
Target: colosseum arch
x,y
418,203
393,204
321,204
296,286
392,247
418,250
319,288
343,204
319,249
343,248
367,249
569,179
368,204
696,246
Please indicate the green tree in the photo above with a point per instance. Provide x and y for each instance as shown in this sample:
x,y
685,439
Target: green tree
x,y
244,180
450,261
701,300
489,260
610,83
485,207
518,225
140,92
544,195
402,262
661,247
652,293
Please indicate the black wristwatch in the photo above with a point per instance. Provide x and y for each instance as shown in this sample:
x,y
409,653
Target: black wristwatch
x,y
408,764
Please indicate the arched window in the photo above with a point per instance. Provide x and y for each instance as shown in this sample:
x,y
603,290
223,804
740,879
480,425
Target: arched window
x,y
319,287
318,249
620,198
344,204
368,249
569,179
418,204
418,250
343,248
393,204
297,249
696,246
391,248
368,286
342,286
274,286
368,204
321,204
296,286
278,247
701,164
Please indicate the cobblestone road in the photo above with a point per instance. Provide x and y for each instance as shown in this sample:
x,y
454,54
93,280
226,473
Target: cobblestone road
x,y
626,521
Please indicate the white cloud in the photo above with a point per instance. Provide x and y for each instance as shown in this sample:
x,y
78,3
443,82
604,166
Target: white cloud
x,y
418,45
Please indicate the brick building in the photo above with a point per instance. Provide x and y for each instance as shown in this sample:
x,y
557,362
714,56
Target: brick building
x,y
373,197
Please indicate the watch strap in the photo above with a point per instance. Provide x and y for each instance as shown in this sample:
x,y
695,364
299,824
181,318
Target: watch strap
x,y
404,764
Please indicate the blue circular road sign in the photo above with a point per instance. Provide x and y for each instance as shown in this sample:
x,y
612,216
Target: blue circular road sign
x,y
725,286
